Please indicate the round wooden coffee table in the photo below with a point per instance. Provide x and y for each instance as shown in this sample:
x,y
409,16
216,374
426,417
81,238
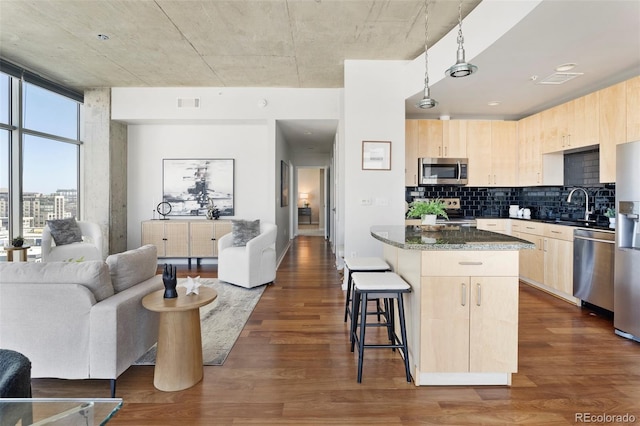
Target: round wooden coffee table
x,y
179,354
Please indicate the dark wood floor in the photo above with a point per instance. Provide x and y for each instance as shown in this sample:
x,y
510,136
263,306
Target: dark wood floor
x,y
292,365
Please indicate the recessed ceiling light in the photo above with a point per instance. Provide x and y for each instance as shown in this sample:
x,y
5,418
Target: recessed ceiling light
x,y
565,67
103,37
494,103
308,132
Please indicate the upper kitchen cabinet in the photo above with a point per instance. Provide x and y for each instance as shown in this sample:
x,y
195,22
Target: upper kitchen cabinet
x,y
411,153
529,151
492,149
429,138
633,109
454,139
613,130
571,125
442,139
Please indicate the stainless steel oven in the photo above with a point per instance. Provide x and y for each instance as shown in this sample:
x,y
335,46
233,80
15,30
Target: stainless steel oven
x,y
442,171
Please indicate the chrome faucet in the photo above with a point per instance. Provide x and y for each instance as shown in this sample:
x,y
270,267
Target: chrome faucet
x,y
586,200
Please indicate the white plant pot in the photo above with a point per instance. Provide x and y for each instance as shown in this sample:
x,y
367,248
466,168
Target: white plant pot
x,y
429,219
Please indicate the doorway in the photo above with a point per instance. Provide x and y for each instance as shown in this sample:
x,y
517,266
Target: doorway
x,y
311,201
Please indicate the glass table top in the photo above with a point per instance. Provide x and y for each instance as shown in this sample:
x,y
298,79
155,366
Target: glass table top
x,y
58,411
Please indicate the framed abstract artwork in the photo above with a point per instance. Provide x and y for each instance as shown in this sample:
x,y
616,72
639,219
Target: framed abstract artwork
x,y
376,155
284,184
190,185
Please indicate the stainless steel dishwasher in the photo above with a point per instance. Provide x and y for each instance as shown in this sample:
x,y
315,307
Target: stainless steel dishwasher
x,y
593,260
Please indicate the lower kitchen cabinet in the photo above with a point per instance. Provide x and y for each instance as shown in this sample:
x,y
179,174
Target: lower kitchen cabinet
x,y
471,324
558,265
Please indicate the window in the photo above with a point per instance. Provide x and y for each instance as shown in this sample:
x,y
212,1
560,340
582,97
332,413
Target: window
x,y
42,141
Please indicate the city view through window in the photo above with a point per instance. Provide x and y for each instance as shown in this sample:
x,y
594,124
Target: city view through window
x,y
49,162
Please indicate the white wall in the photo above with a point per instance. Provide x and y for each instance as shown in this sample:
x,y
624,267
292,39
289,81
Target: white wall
x,y
230,123
248,145
374,111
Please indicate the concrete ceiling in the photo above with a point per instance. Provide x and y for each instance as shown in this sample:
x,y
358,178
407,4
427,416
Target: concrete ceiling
x,y
303,43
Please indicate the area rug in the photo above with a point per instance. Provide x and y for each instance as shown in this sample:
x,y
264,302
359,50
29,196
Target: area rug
x,y
221,321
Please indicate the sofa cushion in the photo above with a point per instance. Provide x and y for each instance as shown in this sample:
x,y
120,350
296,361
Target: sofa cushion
x,y
243,231
133,266
65,231
93,274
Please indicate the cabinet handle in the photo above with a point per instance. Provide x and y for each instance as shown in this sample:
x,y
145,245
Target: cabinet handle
x,y
544,246
489,179
164,239
495,179
479,299
470,263
569,140
556,232
538,180
463,291
445,151
530,227
491,224
439,151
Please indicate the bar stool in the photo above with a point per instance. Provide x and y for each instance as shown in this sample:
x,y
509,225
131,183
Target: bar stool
x,y
361,264
387,286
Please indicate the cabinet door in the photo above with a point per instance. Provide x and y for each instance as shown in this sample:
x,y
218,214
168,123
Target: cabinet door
x,y
222,229
504,153
411,153
153,233
493,225
529,151
585,126
558,265
479,152
633,109
532,261
202,241
612,128
444,333
552,135
493,333
176,236
430,138
454,138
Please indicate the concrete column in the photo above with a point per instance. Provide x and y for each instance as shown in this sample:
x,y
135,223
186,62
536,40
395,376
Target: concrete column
x,y
104,170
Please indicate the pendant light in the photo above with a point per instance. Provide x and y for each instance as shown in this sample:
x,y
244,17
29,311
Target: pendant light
x,y
427,101
461,68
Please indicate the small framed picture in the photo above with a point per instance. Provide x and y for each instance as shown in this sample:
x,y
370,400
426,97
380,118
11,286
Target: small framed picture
x,y
376,155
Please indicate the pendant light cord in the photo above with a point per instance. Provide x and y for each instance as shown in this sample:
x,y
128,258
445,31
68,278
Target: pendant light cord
x,y
426,45
460,37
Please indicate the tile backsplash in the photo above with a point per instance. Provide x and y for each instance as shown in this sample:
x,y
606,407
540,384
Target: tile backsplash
x,y
545,202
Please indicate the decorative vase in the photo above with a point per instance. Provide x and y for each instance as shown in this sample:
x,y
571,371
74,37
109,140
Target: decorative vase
x,y
18,243
429,219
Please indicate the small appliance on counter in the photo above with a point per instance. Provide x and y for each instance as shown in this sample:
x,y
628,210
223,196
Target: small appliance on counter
x,y
627,255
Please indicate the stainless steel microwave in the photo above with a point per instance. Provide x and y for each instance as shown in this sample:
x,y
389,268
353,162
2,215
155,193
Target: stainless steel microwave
x,y
442,171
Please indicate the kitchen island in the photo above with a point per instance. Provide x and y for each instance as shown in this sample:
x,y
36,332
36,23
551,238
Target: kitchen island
x,y
462,313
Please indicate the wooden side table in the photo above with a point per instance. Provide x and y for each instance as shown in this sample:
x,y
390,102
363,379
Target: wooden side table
x,y
179,354
22,253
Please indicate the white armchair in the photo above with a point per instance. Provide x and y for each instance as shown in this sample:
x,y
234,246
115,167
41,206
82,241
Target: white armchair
x,y
89,249
251,265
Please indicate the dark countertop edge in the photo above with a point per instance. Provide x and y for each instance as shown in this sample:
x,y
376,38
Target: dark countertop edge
x,y
550,222
474,246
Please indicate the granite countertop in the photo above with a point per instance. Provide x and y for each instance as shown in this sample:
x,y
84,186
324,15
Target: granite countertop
x,y
447,238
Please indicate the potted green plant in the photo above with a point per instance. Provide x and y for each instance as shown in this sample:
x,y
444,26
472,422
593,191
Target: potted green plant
x,y
611,214
17,241
428,211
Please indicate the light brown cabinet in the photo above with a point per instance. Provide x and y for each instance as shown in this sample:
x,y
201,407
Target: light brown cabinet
x,y
529,151
442,139
633,109
472,324
184,238
531,261
492,149
493,225
411,153
613,128
571,125
558,264
429,138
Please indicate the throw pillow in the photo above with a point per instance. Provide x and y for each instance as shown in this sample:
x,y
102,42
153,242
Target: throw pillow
x,y
65,231
132,267
244,230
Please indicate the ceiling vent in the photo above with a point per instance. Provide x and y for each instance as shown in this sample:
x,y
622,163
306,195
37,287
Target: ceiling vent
x,y
188,102
560,77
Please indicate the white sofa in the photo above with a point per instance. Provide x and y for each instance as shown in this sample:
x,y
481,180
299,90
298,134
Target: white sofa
x,y
80,320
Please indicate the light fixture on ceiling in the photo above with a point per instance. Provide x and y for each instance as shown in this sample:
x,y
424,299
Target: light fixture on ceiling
x,y
461,68
493,103
566,67
427,101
